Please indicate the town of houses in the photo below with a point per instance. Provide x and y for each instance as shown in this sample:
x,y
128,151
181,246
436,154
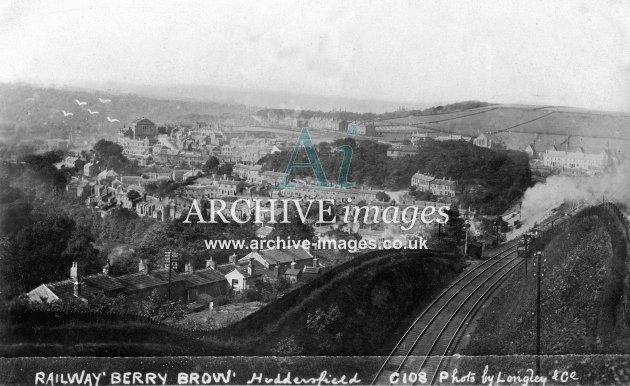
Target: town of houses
x,y
180,150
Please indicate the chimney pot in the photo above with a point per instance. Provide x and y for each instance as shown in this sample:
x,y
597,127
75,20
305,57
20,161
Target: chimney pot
x,y
143,266
74,275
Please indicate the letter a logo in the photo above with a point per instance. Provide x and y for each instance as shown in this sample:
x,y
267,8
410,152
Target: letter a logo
x,y
313,162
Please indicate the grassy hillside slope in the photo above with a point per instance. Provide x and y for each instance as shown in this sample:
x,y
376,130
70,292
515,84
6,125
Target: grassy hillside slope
x,y
581,290
526,119
358,310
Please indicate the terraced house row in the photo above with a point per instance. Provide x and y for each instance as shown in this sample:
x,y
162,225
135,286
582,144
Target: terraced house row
x,y
198,287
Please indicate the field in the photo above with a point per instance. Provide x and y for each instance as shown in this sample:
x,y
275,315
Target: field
x,y
526,119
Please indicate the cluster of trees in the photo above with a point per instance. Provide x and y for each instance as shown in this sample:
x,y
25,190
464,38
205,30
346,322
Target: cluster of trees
x,y
491,179
214,166
162,188
110,155
39,247
40,168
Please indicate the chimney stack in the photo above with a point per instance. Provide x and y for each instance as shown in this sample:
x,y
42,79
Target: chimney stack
x,y
188,268
106,268
210,263
293,263
74,274
315,262
250,267
233,259
143,266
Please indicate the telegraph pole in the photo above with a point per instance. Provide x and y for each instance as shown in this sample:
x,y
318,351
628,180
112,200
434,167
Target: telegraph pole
x,y
169,255
466,226
525,242
525,257
538,308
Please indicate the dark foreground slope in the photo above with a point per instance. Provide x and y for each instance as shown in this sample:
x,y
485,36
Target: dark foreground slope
x,y
357,308
582,295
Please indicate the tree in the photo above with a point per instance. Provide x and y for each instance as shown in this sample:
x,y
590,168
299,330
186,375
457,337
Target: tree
x,y
295,228
110,155
105,150
80,248
36,254
42,168
225,168
211,165
382,196
455,223
240,187
324,323
15,216
156,307
132,195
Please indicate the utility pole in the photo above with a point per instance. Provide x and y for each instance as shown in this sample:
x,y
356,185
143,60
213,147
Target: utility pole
x,y
526,239
497,223
466,226
169,256
170,262
539,275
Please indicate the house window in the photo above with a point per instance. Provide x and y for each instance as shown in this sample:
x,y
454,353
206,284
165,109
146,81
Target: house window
x,y
235,284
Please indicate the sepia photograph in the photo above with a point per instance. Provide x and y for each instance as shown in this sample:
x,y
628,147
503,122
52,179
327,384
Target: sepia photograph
x,y
291,192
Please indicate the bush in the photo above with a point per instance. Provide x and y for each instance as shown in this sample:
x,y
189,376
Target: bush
x,y
222,300
251,295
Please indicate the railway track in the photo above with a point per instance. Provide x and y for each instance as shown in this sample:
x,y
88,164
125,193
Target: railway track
x,y
431,335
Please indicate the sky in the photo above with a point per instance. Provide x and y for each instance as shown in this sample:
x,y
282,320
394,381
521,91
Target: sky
x,y
570,53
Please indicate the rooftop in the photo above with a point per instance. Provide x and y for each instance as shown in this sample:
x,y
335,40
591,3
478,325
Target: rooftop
x,y
141,281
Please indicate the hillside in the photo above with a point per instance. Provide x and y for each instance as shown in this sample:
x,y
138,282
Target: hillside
x,y
581,298
526,119
354,309
35,112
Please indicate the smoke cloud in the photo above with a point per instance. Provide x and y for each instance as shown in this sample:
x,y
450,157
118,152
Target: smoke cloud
x,y
611,186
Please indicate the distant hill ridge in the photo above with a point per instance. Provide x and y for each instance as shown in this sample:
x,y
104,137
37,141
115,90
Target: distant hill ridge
x,y
35,111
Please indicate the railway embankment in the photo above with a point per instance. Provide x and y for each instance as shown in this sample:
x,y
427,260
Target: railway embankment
x,y
584,294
